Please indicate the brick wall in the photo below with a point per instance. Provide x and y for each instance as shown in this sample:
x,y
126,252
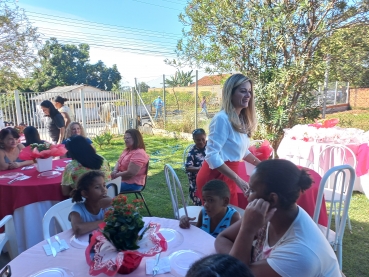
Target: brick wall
x,y
359,97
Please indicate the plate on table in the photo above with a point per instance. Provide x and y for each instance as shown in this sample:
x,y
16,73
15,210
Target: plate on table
x,y
53,272
11,175
181,261
49,174
173,237
81,242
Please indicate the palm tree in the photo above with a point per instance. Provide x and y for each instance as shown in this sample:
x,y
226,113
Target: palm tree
x,y
180,79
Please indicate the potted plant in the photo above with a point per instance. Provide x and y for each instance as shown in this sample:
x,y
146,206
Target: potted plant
x,y
123,239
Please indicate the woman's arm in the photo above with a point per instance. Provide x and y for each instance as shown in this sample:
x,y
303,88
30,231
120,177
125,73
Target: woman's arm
x,y
3,164
226,171
61,135
131,171
66,118
250,158
14,165
79,227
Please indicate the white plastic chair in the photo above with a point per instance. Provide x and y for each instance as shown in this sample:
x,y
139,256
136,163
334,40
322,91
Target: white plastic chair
x,y
341,182
176,192
238,209
253,142
336,155
113,187
60,212
9,237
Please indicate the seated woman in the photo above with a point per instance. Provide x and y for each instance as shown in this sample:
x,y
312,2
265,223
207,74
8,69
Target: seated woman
x,y
75,129
32,136
86,215
84,159
10,149
288,242
131,165
216,215
195,158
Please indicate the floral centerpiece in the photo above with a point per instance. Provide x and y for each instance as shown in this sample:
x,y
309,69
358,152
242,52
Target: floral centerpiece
x,y
42,154
325,123
123,239
261,150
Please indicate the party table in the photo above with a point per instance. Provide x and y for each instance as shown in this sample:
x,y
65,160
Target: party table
x,y
307,199
28,201
74,259
307,153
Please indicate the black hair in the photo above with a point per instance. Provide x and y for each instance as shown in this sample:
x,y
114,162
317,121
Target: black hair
x,y
60,99
219,265
84,183
8,131
31,135
196,132
47,104
218,187
81,151
283,178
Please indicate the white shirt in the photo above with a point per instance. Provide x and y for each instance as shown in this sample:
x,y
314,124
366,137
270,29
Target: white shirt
x,y
66,109
224,143
303,251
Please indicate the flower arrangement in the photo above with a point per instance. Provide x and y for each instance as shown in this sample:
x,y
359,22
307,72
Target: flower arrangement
x,y
261,150
42,151
123,223
325,123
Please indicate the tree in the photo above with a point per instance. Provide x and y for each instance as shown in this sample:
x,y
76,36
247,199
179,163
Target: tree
x,y
68,64
180,79
18,42
276,43
143,87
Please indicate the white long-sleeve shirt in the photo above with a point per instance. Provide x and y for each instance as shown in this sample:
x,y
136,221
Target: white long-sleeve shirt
x,y
224,143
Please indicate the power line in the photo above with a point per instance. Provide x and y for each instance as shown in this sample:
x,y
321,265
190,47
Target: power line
x,y
107,25
155,5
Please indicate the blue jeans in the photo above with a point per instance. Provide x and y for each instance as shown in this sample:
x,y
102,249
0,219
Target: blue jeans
x,y
158,111
129,187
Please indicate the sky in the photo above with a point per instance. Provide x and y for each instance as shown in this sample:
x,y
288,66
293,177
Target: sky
x,y
136,35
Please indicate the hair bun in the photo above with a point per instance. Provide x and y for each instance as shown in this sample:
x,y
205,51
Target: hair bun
x,y
305,180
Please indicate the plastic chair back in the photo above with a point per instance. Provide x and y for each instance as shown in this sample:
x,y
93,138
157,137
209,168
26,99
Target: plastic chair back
x,y
9,237
175,190
238,209
60,212
113,187
342,174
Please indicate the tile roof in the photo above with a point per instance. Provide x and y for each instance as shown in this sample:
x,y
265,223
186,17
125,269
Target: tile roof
x,y
211,80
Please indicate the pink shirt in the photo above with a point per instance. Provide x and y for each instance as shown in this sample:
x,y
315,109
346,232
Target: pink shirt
x,y
138,157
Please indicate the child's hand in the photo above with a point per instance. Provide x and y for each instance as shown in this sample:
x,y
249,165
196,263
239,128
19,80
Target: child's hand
x,y
184,222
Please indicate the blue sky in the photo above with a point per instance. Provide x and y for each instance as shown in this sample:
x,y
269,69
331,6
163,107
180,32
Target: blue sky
x,y
137,35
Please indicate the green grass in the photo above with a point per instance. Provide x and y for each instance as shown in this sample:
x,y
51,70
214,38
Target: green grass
x,y
352,119
169,151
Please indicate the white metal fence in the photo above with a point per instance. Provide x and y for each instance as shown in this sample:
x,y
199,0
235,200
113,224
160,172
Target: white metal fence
x,y
97,111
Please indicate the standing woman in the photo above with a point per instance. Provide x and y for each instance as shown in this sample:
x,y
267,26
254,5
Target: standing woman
x,y
56,125
229,136
65,111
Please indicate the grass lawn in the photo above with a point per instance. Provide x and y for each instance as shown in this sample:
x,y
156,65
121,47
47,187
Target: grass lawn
x,y
352,119
169,151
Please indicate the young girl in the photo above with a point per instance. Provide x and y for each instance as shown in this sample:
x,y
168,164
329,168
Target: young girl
x,y
216,214
86,216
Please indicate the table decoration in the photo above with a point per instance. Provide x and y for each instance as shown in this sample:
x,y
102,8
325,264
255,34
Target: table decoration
x,y
42,154
123,239
262,151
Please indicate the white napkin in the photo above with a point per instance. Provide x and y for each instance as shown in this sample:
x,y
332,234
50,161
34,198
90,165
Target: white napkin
x,y
68,161
58,168
164,265
27,167
56,245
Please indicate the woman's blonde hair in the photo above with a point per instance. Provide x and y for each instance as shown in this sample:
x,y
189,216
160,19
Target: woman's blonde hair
x,y
247,115
68,132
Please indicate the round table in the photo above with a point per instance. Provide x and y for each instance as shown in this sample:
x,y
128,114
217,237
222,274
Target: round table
x,y
28,200
74,258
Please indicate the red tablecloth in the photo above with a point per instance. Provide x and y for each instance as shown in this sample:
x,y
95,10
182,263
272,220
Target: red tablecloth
x,y
32,190
307,200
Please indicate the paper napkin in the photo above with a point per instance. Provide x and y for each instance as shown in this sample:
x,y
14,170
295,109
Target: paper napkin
x,y
164,265
27,167
56,245
58,168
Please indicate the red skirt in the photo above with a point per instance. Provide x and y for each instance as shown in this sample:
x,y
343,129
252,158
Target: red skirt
x,y
206,174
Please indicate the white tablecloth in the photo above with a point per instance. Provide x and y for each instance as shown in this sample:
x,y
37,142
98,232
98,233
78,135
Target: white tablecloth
x,y
35,259
307,154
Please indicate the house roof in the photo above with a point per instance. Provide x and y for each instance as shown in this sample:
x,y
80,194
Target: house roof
x,y
90,93
211,80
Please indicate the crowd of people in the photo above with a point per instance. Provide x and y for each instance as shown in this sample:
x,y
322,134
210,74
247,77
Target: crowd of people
x,y
274,236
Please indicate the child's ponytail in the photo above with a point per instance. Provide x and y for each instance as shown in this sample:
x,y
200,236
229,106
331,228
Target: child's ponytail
x,y
76,195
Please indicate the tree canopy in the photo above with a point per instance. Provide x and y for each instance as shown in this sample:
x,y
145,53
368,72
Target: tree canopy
x,y
18,44
68,64
276,43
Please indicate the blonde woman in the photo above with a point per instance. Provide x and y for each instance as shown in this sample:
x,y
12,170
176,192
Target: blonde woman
x,y
229,136
75,129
